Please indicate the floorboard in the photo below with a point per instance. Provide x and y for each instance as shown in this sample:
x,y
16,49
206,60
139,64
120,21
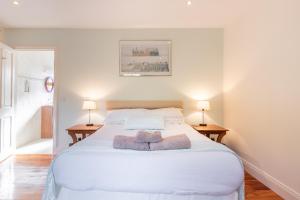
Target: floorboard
x,y
22,177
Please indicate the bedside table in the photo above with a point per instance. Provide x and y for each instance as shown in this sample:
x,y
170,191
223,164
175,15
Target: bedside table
x,y
83,130
211,129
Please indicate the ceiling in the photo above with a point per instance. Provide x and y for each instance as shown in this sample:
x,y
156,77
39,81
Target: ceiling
x,y
118,13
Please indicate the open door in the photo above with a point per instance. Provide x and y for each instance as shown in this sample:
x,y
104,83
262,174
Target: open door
x,y
6,101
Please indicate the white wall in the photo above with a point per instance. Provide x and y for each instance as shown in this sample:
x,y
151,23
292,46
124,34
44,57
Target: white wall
x,y
88,66
33,66
262,93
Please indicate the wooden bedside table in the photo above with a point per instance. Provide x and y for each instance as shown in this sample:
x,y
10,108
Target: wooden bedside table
x,y
211,129
83,130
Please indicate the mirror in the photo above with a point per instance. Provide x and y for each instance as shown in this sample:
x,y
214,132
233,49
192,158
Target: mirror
x,y
49,84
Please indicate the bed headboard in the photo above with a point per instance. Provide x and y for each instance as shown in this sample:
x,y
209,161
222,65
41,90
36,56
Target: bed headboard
x,y
121,104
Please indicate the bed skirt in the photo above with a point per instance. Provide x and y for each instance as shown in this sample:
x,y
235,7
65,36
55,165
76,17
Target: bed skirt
x,y
67,194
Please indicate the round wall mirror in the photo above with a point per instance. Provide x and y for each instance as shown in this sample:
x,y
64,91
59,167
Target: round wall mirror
x,y
49,84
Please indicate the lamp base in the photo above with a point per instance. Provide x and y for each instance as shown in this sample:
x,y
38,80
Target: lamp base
x,y
202,124
89,124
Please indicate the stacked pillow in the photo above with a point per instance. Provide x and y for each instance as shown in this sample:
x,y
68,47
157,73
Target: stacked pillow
x,y
145,118
170,115
118,116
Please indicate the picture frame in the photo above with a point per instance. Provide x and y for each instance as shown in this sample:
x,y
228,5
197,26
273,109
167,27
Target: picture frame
x,y
145,58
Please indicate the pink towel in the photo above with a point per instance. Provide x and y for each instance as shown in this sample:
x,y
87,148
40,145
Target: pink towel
x,y
143,136
127,142
172,143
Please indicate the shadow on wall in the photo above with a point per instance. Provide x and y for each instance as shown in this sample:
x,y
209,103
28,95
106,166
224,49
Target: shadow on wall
x,y
71,101
28,109
1,34
70,104
212,116
24,126
246,136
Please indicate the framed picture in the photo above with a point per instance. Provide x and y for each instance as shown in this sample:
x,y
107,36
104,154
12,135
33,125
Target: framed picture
x,y
145,58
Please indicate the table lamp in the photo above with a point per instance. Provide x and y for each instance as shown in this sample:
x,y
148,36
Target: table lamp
x,y
89,105
203,106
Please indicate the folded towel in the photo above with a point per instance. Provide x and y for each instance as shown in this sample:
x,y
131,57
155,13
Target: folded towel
x,y
143,136
172,143
127,142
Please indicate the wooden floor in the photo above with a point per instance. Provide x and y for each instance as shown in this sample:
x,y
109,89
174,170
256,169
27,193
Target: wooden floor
x,y
22,177
255,190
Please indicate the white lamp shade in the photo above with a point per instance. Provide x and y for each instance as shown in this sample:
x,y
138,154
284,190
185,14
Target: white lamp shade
x,y
203,105
89,105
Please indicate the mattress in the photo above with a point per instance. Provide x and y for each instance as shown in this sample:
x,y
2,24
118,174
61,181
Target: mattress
x,y
92,167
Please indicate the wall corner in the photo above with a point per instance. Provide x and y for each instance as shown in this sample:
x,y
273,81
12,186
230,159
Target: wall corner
x,y
1,34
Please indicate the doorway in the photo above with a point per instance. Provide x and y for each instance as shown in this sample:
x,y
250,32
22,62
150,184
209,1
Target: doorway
x,y
6,101
34,83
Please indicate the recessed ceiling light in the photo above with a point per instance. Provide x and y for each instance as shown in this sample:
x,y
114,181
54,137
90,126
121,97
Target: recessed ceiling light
x,y
16,3
189,3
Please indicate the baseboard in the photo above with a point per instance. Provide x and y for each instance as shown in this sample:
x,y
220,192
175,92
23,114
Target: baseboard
x,y
274,184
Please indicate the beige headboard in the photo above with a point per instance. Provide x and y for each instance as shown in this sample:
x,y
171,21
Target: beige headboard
x,y
111,105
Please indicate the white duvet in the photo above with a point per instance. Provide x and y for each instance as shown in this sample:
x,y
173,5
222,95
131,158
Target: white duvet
x,y
207,168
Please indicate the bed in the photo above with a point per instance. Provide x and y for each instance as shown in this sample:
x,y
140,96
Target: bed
x,y
92,169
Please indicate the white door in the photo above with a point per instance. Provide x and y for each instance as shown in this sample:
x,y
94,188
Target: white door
x,y
6,101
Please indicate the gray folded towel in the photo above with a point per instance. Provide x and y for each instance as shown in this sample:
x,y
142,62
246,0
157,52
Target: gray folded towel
x,y
172,143
143,136
127,142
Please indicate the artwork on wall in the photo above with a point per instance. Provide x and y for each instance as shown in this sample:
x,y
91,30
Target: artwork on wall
x,y
145,58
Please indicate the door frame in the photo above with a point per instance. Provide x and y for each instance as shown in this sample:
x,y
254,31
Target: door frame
x,y
11,150
55,94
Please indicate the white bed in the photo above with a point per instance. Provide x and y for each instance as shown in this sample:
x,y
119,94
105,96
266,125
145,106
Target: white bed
x,y
92,169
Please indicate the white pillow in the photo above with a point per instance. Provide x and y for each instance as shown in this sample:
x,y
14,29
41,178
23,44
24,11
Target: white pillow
x,y
174,120
120,115
166,112
170,115
146,122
